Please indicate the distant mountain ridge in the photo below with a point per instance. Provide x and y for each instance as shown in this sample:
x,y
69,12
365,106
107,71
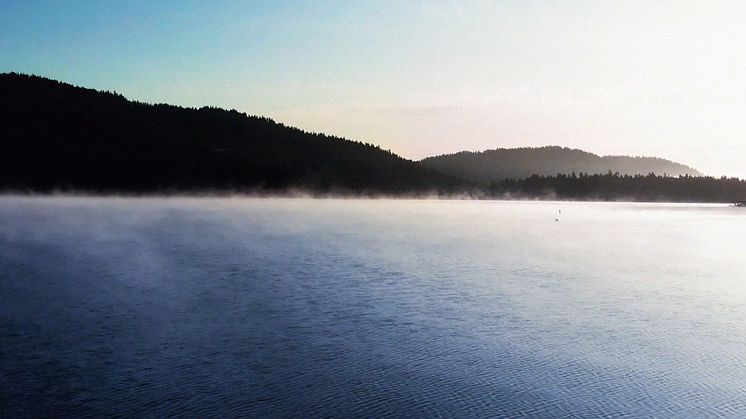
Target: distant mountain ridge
x,y
55,136
489,166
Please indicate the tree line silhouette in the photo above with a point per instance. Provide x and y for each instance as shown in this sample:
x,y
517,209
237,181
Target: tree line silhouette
x,y
613,186
55,136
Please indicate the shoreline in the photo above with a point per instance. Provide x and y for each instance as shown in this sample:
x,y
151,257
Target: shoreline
x,y
331,196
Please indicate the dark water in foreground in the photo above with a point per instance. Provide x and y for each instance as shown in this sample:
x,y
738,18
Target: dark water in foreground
x,y
280,307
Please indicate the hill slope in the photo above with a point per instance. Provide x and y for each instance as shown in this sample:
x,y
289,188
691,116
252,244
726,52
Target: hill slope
x,y
518,163
57,136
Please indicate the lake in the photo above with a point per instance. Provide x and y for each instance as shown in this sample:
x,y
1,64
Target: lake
x,y
346,308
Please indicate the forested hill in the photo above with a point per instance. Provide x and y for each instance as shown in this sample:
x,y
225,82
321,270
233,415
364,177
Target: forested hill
x,y
55,136
518,163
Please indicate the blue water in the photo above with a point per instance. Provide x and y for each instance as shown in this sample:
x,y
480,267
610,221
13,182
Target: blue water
x,y
346,308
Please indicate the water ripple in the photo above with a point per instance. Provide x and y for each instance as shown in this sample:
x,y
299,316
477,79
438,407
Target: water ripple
x,y
302,308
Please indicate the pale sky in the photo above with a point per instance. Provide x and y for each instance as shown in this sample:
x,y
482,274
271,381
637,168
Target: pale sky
x,y
656,78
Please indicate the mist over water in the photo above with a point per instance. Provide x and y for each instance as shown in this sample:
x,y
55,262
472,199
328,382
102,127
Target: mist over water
x,y
279,307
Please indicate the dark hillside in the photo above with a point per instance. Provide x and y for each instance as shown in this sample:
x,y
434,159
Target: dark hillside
x,y
57,136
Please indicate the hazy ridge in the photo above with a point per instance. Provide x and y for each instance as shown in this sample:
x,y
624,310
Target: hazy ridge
x,y
489,166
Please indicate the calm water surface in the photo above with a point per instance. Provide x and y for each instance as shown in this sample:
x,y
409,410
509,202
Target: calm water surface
x,y
306,308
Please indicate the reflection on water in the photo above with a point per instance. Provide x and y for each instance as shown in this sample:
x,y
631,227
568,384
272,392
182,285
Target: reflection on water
x,y
282,307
